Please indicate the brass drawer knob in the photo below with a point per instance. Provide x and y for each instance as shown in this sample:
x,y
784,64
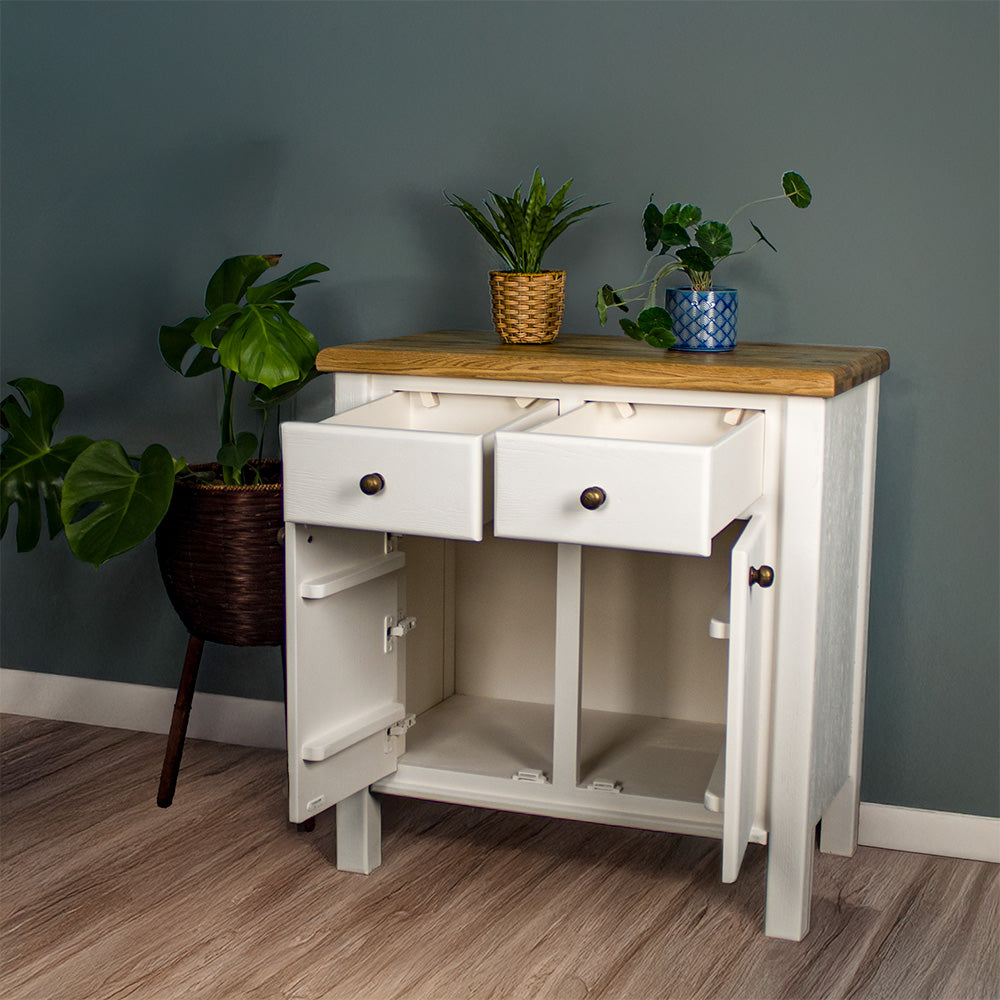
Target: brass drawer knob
x,y
372,483
763,577
592,497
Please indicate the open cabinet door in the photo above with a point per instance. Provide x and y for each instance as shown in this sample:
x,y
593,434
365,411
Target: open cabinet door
x,y
345,684
748,604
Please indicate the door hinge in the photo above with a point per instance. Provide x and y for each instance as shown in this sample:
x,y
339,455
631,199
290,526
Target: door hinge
x,y
396,628
398,729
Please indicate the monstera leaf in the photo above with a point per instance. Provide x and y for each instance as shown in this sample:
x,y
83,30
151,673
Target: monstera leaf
x,y
33,468
176,344
264,343
108,505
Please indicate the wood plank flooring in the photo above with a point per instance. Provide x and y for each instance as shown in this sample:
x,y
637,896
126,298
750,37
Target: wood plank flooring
x,y
105,896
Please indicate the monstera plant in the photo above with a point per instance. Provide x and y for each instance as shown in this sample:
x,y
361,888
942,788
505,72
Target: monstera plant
x,y
107,499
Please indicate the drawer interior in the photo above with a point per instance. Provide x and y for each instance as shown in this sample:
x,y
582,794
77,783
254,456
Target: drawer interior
x,y
452,413
652,422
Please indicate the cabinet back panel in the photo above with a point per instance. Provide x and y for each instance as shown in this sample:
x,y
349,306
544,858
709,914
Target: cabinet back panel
x,y
646,644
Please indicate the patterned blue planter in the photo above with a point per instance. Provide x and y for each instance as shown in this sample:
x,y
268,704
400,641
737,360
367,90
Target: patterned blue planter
x,y
703,321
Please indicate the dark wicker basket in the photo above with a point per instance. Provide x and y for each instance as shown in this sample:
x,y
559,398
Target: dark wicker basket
x,y
221,557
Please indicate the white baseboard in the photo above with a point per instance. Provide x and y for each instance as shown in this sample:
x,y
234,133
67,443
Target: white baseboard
x,y
250,722
924,831
222,718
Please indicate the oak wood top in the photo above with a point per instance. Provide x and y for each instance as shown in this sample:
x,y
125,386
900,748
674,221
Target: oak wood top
x,y
780,369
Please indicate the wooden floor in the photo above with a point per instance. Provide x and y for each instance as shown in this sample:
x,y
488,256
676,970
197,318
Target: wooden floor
x,y
105,896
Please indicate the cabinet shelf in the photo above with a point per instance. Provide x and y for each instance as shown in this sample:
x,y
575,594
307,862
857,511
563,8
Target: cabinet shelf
x,y
468,749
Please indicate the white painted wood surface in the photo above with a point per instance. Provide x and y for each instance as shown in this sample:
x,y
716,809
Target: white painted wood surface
x,y
518,624
749,608
435,462
707,470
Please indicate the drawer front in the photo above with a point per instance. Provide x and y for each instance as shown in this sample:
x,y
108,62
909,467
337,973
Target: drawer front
x,y
432,482
653,495
418,463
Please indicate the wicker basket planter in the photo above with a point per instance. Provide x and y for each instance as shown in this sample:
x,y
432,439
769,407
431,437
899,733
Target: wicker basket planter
x,y
221,557
528,308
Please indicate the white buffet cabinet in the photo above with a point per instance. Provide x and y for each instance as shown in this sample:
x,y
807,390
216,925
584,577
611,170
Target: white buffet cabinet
x,y
588,580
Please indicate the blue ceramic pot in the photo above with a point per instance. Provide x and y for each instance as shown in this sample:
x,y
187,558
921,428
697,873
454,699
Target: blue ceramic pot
x,y
703,321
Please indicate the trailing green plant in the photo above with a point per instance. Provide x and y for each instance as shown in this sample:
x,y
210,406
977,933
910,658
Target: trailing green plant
x,y
691,245
107,500
522,229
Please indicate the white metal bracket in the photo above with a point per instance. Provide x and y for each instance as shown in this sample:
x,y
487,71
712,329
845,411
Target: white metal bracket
x,y
605,785
396,628
531,774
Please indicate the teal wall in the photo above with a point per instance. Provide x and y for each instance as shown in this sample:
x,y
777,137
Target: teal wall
x,y
144,142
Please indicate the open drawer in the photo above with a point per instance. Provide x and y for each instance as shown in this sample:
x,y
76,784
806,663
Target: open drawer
x,y
411,462
644,476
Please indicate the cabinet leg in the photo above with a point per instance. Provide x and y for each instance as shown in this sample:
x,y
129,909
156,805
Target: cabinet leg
x,y
838,829
359,833
789,884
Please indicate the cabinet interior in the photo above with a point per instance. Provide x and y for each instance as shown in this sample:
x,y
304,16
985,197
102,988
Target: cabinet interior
x,y
480,664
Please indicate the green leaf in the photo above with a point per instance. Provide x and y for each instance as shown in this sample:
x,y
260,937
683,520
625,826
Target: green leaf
x,y
490,233
673,234
236,454
262,398
32,468
682,215
563,225
652,225
695,259
267,344
688,216
602,306
207,333
121,505
176,342
655,317
796,188
715,239
234,276
762,237
281,289
654,326
522,230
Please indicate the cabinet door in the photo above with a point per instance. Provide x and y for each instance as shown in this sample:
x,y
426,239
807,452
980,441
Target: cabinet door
x,y
345,687
749,605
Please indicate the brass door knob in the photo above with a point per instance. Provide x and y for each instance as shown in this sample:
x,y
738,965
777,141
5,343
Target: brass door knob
x,y
763,577
592,497
372,483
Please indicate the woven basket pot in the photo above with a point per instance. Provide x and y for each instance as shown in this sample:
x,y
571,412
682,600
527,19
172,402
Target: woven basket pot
x,y
221,557
528,308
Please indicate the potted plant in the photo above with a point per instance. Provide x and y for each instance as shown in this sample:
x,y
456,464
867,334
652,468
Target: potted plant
x,y
218,525
701,317
527,301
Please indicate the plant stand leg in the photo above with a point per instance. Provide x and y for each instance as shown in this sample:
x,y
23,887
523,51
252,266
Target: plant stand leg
x,y
179,722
